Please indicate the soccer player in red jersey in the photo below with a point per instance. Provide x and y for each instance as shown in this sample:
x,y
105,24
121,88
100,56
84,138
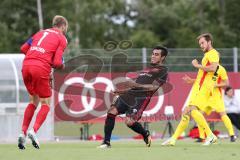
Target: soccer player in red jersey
x,y
43,51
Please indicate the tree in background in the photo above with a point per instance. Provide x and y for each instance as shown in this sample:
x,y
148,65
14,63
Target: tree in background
x,y
178,23
18,21
146,22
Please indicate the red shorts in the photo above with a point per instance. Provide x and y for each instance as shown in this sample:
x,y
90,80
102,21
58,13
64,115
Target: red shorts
x,y
37,81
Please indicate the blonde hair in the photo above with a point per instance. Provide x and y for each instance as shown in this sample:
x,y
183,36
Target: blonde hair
x,y
208,37
59,21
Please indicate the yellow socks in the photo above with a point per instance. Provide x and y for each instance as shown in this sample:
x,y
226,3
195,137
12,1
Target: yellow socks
x,y
181,126
227,122
201,132
200,120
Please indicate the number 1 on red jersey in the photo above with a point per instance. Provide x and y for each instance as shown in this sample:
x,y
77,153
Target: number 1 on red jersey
x,y
41,39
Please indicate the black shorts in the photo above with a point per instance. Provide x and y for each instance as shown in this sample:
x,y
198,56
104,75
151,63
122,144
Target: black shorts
x,y
131,105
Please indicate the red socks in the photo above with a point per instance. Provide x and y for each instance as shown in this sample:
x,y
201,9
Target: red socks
x,y
41,116
28,114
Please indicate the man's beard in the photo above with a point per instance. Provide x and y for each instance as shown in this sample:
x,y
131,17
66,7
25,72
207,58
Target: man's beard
x,y
207,49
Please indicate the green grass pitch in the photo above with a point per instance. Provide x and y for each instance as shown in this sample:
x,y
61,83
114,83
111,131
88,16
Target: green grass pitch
x,y
123,150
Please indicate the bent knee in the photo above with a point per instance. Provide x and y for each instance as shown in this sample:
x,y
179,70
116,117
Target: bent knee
x,y
222,113
189,109
45,101
186,110
129,122
34,99
113,110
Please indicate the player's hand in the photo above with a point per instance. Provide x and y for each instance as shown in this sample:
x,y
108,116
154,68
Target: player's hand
x,y
195,63
215,85
118,92
132,84
187,79
63,66
126,84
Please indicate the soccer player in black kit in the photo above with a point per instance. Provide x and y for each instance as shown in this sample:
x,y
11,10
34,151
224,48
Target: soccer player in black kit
x,y
134,100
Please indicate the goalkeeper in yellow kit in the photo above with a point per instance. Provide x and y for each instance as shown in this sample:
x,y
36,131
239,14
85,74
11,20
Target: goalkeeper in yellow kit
x,y
201,91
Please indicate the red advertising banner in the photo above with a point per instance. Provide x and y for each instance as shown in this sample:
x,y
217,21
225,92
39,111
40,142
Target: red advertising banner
x,y
76,99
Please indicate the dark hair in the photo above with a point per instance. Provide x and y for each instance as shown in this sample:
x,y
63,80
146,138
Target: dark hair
x,y
227,89
164,50
208,37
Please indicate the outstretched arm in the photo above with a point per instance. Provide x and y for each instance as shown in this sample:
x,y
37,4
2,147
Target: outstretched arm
x,y
146,87
131,85
188,79
149,87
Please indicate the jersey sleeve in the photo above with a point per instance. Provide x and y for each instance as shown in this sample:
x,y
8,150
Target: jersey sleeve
x,y
213,57
25,47
223,74
162,76
58,57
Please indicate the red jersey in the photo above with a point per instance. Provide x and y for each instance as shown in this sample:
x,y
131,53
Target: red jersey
x,y
45,49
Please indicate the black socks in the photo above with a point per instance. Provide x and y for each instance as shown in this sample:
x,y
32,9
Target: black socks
x,y
108,127
137,127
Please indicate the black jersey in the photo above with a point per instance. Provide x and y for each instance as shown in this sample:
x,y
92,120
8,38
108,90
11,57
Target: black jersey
x,y
156,75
